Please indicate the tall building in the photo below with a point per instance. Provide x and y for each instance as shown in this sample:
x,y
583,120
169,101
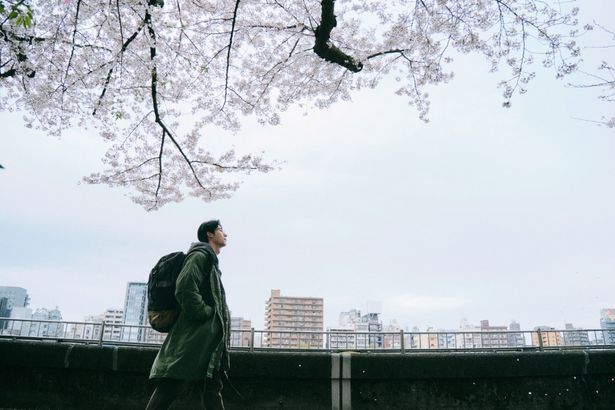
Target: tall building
x,y
359,331
343,337
17,297
240,332
13,298
91,326
470,338
414,338
5,311
431,338
549,337
371,323
135,312
516,339
575,336
348,319
493,337
41,328
113,318
607,322
294,315
89,329
19,327
392,341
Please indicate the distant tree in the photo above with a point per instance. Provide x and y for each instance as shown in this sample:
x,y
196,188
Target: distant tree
x,y
151,74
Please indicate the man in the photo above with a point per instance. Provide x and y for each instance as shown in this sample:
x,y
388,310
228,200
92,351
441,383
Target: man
x,y
196,349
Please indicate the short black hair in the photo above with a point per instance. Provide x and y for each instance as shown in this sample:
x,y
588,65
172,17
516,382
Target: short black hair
x,y
209,226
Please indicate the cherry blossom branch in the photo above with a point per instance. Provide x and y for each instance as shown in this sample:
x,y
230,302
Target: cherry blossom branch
x,y
154,84
133,168
226,167
158,119
228,54
382,53
121,53
72,51
8,73
323,48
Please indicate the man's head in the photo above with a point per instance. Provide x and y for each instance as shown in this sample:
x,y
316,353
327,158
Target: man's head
x,y
211,232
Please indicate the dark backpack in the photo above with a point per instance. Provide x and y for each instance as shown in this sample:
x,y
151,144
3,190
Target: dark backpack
x,y
162,307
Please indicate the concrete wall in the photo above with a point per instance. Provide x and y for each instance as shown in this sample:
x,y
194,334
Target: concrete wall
x,y
50,375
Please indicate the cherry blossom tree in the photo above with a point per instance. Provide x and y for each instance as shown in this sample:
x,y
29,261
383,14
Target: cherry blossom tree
x,y
602,78
151,74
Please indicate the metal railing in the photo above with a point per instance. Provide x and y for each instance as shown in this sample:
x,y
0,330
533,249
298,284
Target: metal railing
x,y
337,340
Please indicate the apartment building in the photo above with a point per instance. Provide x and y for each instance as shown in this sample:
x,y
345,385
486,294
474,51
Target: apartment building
x,y
286,317
574,336
493,337
548,335
607,323
240,332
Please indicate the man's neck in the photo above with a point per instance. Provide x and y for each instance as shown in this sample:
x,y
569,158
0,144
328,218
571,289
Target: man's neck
x,y
215,248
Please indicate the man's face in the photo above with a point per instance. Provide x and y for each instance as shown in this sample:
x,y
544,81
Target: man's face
x,y
219,237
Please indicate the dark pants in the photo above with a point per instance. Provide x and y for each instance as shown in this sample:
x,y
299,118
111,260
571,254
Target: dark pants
x,y
167,390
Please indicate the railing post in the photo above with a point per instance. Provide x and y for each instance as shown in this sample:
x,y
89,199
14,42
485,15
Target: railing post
x,y
102,332
402,342
252,339
540,344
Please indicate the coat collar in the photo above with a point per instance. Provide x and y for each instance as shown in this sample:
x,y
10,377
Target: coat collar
x,y
204,247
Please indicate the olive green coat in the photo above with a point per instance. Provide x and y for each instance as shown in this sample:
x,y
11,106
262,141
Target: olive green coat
x,y
197,344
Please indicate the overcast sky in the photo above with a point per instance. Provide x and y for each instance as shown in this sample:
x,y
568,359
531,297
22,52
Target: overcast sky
x,y
483,213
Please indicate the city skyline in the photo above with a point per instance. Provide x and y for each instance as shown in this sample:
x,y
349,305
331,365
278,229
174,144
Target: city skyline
x,y
138,315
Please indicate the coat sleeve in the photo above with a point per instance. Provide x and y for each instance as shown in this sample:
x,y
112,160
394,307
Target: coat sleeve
x,y
187,291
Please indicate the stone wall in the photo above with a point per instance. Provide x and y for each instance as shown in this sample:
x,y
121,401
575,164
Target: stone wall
x,y
52,375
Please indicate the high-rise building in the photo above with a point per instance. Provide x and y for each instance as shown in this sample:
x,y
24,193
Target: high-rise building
x,y
240,332
5,311
431,339
414,338
493,337
549,337
392,340
113,318
371,323
287,317
17,297
470,336
89,329
135,313
515,339
607,322
41,328
348,319
359,331
342,338
92,325
20,327
575,336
